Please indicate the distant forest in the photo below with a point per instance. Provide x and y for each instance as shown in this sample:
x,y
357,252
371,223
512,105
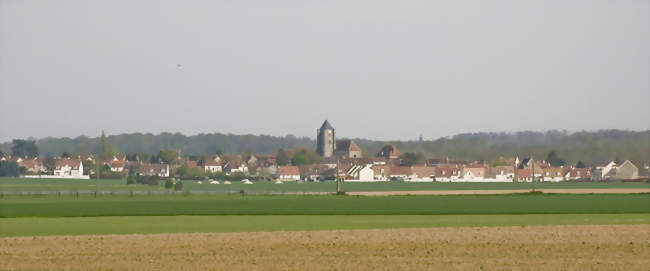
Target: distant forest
x,y
590,147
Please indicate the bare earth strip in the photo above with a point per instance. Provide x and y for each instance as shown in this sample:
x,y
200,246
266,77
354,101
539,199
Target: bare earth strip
x,y
511,191
609,247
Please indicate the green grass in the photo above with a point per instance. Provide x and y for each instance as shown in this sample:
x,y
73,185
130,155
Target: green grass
x,y
52,206
189,224
15,185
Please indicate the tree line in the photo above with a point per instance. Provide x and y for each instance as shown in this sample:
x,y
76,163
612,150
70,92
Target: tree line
x,y
589,147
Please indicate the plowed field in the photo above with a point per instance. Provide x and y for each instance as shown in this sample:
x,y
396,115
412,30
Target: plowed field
x,y
609,247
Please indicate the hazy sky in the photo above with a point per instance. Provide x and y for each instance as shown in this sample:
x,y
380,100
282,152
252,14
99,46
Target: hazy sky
x,y
375,69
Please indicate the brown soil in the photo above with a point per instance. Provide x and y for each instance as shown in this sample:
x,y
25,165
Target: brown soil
x,y
619,247
492,192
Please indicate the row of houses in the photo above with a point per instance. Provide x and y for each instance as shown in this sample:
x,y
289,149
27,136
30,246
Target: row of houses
x,y
386,166
73,168
351,166
61,168
444,173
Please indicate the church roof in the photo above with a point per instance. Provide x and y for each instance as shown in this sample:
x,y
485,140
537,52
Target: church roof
x,y
326,125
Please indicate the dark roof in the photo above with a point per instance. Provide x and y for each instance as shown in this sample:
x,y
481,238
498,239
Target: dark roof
x,y
346,145
388,151
326,125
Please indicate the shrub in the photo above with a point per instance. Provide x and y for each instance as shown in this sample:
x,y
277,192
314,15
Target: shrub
x,y
9,169
178,186
169,184
190,173
150,180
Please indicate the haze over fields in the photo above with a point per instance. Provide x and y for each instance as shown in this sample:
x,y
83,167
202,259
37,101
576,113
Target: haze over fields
x,y
381,70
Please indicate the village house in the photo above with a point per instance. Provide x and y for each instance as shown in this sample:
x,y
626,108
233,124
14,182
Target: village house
x,y
145,169
262,160
210,165
117,164
381,172
347,149
389,152
69,168
626,170
446,162
578,174
234,166
501,173
447,174
524,175
32,165
316,172
473,173
621,171
403,173
288,173
423,174
360,173
554,174
605,169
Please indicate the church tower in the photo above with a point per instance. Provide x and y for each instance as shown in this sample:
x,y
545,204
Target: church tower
x,y
325,140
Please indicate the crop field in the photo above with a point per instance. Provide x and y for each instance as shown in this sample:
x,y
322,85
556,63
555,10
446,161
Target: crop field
x,y
606,247
53,206
58,224
43,226
21,185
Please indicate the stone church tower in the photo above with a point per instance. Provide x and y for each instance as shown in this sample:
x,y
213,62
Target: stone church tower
x,y
325,140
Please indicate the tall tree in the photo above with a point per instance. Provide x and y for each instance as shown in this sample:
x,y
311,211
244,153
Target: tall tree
x,y
580,164
108,151
9,169
554,160
167,156
304,156
24,148
282,158
413,158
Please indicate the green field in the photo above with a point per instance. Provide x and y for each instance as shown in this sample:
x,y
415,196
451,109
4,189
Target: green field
x,y
18,185
33,207
189,224
52,206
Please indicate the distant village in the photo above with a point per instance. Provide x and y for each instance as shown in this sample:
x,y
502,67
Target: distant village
x,y
337,159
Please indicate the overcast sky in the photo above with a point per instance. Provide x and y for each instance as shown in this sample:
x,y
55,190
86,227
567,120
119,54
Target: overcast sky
x,y
375,69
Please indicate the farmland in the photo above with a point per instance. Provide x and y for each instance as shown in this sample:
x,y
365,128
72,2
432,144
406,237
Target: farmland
x,y
46,223
43,226
606,247
161,205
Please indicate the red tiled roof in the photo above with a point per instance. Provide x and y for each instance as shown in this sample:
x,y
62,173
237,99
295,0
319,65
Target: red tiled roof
x,y
74,163
288,170
400,170
524,173
423,172
580,172
446,171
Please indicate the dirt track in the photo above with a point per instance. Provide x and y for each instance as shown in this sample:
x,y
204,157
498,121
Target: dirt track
x,y
492,192
609,247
